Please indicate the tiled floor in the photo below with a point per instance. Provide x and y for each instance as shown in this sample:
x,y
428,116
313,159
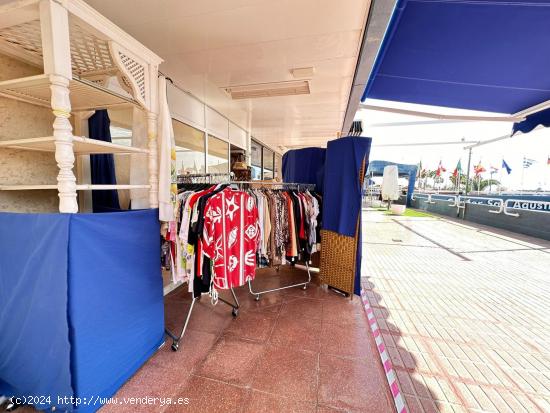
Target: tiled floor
x,y
464,312
295,351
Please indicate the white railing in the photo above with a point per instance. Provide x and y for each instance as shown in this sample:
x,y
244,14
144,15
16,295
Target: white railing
x,y
544,206
503,206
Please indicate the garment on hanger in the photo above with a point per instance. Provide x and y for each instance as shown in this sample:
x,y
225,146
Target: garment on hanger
x,y
205,216
288,225
230,237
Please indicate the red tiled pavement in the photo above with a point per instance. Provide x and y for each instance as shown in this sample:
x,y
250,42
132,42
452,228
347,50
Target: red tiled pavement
x,y
463,311
293,351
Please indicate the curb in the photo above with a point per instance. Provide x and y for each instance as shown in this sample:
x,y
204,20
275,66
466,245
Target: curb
x,y
384,356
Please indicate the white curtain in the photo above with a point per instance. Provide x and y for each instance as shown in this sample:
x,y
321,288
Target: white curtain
x,y
167,158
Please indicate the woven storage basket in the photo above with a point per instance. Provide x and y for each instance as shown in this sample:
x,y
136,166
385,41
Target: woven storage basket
x,y
339,254
338,260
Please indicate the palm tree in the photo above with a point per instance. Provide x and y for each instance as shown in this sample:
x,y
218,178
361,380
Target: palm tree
x,y
463,180
480,185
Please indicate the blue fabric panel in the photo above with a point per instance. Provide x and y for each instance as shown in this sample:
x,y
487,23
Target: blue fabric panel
x,y
116,298
463,54
532,121
34,331
102,166
376,168
305,166
342,190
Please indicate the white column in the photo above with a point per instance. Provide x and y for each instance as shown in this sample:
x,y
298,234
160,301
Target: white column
x,y
64,154
54,28
153,159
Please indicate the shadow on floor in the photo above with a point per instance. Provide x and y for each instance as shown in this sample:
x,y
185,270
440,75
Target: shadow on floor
x,y
417,397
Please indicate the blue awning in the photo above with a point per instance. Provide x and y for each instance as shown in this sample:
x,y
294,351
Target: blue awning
x,y
541,118
488,55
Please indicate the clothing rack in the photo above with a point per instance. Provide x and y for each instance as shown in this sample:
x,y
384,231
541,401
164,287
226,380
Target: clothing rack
x,y
177,338
235,305
286,185
210,177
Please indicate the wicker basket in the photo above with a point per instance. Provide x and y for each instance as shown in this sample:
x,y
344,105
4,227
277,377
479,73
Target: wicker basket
x,y
339,254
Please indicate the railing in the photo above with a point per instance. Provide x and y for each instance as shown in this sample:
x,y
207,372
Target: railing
x,y
544,206
504,206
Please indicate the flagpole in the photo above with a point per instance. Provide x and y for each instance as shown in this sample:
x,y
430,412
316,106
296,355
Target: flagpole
x,y
522,173
468,173
500,180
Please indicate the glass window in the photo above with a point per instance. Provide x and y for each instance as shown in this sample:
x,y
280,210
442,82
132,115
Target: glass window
x,y
256,160
218,155
189,149
278,166
268,163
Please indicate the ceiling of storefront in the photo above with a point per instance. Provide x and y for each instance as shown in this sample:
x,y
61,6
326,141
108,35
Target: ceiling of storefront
x,y
208,45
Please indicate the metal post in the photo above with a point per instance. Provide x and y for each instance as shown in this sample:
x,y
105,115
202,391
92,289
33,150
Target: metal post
x,y
468,173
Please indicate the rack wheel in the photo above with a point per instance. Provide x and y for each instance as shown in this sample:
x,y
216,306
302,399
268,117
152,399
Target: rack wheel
x,y
175,346
235,312
257,298
12,407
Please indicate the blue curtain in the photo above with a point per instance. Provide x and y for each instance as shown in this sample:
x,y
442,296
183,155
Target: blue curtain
x,y
102,166
342,192
306,166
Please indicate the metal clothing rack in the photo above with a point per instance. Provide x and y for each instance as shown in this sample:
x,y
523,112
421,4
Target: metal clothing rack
x,y
235,305
208,178
286,185
177,338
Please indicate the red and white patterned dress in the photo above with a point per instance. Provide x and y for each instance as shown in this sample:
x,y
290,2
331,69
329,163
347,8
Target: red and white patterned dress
x,y
230,237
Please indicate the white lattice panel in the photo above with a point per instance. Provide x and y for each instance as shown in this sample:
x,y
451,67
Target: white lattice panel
x,y
137,71
89,54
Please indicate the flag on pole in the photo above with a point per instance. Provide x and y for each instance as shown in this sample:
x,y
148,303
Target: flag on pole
x,y
527,162
505,166
494,169
419,172
479,169
440,169
458,169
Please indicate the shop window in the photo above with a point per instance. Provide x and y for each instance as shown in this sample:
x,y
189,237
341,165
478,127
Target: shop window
x,y
278,167
190,153
256,160
218,155
268,163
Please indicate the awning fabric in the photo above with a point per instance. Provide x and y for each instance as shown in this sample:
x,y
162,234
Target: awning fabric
x,y
532,121
488,55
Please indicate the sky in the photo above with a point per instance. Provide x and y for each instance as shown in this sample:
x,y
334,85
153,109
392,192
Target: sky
x,y
404,130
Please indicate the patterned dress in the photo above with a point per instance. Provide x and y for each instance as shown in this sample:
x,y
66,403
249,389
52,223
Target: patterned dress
x,y
230,237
